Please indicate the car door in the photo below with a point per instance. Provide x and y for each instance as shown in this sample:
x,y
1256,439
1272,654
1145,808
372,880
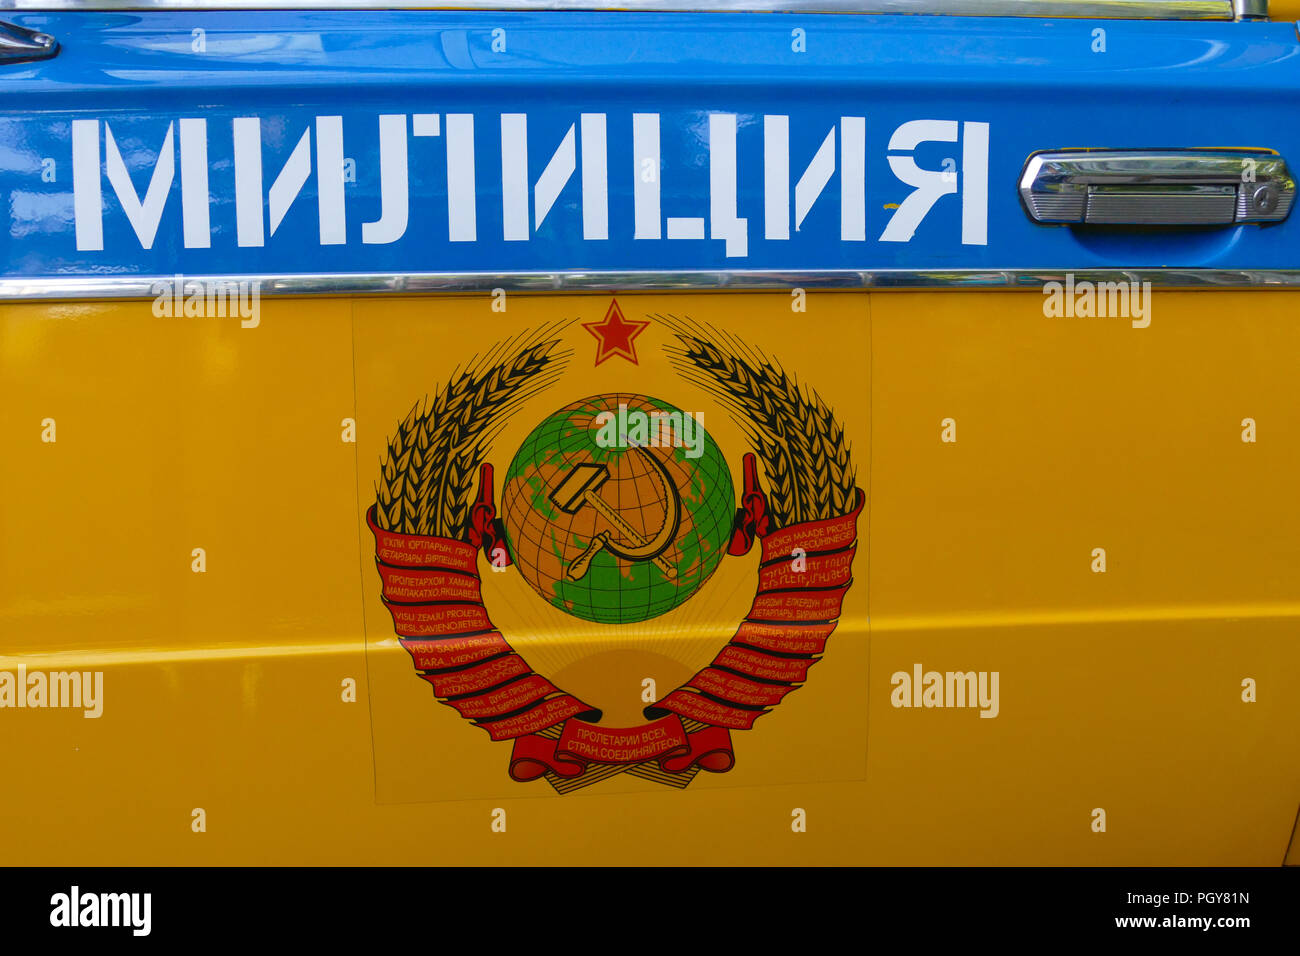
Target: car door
x,y
879,417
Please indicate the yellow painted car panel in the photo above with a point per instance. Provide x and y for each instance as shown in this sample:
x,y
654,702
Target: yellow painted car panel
x,y
226,689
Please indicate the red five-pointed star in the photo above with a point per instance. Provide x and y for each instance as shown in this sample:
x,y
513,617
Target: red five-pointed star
x,y
615,334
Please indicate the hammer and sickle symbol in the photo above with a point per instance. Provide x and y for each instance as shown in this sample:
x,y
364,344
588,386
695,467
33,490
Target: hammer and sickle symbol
x,y
579,488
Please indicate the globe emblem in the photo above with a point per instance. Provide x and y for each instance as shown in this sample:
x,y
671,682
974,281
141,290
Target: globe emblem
x,y
618,507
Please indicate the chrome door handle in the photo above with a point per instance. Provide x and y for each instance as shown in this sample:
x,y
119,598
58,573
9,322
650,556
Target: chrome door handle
x,y
18,44
1157,187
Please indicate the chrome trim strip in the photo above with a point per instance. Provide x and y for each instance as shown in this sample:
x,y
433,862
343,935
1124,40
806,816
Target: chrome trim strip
x,y
1084,9
147,287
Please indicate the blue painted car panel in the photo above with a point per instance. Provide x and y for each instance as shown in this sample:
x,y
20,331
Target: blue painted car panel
x,y
1024,84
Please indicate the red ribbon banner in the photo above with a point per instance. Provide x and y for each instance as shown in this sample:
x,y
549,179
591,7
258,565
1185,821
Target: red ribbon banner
x,y
664,741
431,587
804,572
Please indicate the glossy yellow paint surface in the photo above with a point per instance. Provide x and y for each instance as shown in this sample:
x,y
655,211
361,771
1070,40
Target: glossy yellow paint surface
x,y
1284,9
1119,690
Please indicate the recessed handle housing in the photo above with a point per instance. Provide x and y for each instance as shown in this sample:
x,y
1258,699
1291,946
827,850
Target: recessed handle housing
x,y
1157,187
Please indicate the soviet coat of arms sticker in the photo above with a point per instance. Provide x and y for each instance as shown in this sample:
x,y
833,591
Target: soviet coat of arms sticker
x,y
525,513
